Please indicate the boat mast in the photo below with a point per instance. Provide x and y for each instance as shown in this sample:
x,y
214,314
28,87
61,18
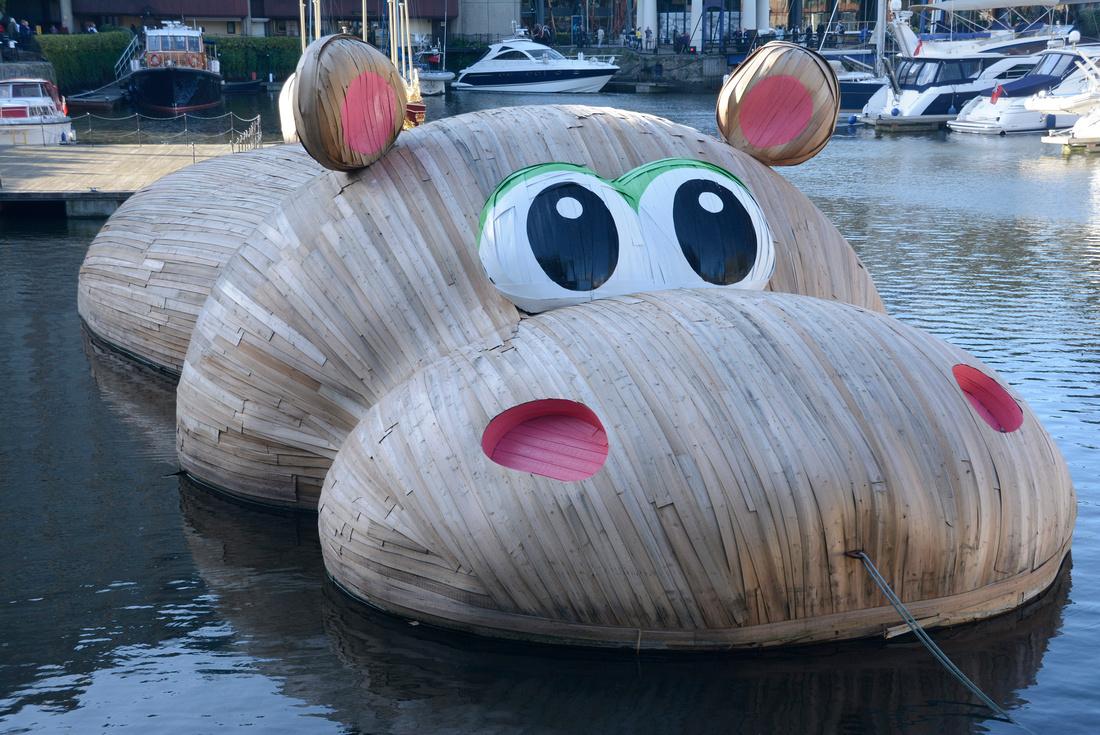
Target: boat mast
x,y
880,35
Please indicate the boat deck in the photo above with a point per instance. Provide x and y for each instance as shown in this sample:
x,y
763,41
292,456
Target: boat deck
x,y
91,180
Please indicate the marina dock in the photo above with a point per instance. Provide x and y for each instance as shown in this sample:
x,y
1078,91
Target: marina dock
x,y
91,181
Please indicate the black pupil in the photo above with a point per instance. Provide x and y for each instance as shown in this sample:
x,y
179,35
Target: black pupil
x,y
573,236
719,245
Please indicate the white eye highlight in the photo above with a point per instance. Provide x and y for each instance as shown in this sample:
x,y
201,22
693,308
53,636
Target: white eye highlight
x,y
711,202
569,208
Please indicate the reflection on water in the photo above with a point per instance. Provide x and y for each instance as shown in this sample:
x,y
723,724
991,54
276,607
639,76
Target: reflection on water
x,y
131,598
388,676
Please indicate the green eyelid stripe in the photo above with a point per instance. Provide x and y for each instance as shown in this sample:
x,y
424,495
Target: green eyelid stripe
x,y
631,185
524,174
634,183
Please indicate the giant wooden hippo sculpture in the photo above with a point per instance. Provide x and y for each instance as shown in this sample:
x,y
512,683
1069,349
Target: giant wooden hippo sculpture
x,y
586,376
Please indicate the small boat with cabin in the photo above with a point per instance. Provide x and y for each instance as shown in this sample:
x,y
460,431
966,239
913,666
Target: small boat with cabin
x,y
1002,109
174,73
520,65
33,113
1084,135
928,90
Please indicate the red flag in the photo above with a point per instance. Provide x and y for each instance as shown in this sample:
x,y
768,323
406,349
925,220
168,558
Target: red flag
x,y
917,49
996,94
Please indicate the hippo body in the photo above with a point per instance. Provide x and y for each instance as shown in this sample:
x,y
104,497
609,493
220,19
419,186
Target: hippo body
x,y
585,376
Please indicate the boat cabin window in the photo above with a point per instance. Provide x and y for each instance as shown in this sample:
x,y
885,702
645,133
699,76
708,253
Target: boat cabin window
x,y
953,73
512,55
179,43
927,74
193,44
1016,71
152,43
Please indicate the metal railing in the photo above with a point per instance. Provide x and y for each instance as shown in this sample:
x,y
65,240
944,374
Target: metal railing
x,y
122,66
236,132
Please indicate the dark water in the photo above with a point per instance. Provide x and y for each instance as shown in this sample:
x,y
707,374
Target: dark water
x,y
130,599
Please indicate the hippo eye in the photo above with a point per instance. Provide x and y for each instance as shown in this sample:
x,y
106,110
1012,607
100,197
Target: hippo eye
x,y
551,235
705,218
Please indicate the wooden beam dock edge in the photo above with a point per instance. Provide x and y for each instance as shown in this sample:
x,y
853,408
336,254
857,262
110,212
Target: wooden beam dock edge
x,y
91,181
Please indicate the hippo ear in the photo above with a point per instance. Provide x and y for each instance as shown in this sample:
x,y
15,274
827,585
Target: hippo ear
x,y
781,105
350,102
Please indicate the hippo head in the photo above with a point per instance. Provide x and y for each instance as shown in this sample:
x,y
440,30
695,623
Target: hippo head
x,y
587,376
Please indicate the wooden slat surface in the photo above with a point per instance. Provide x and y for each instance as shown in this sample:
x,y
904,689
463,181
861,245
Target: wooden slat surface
x,y
149,270
106,168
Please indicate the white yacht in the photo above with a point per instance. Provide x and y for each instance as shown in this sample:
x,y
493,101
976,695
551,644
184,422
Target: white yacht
x,y
32,113
928,91
958,35
1085,103
1001,110
521,65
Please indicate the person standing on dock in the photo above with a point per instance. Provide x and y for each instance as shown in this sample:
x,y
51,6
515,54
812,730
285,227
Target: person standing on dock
x,y
599,36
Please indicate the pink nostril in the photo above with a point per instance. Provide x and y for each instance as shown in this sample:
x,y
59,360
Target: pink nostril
x,y
554,438
989,399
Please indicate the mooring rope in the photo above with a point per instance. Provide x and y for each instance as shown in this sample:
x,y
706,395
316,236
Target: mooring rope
x,y
923,637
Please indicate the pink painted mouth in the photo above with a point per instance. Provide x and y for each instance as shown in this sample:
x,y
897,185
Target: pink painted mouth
x,y
989,399
552,438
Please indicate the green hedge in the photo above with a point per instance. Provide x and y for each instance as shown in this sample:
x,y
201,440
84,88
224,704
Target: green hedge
x,y
86,60
242,55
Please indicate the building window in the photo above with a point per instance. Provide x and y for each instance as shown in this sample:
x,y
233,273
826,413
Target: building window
x,y
230,27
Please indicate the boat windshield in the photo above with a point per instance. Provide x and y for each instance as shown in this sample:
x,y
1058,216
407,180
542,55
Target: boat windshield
x,y
173,43
1054,65
919,73
511,53
23,89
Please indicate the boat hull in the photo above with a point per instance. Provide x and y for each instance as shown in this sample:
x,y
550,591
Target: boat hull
x,y
434,82
176,89
984,117
40,131
537,80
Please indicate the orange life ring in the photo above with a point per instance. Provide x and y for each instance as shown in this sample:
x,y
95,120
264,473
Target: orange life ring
x,y
193,60
154,59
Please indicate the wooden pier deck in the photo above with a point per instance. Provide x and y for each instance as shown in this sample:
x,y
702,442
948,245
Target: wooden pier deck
x,y
91,181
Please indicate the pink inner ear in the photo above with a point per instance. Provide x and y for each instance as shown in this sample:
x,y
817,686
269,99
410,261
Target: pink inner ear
x,y
776,111
368,113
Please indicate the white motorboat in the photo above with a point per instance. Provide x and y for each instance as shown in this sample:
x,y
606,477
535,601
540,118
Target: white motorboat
x,y
1002,110
521,65
961,36
433,78
929,91
433,82
32,113
1085,103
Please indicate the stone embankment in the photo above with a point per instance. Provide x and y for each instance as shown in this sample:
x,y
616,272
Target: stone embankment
x,y
665,70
